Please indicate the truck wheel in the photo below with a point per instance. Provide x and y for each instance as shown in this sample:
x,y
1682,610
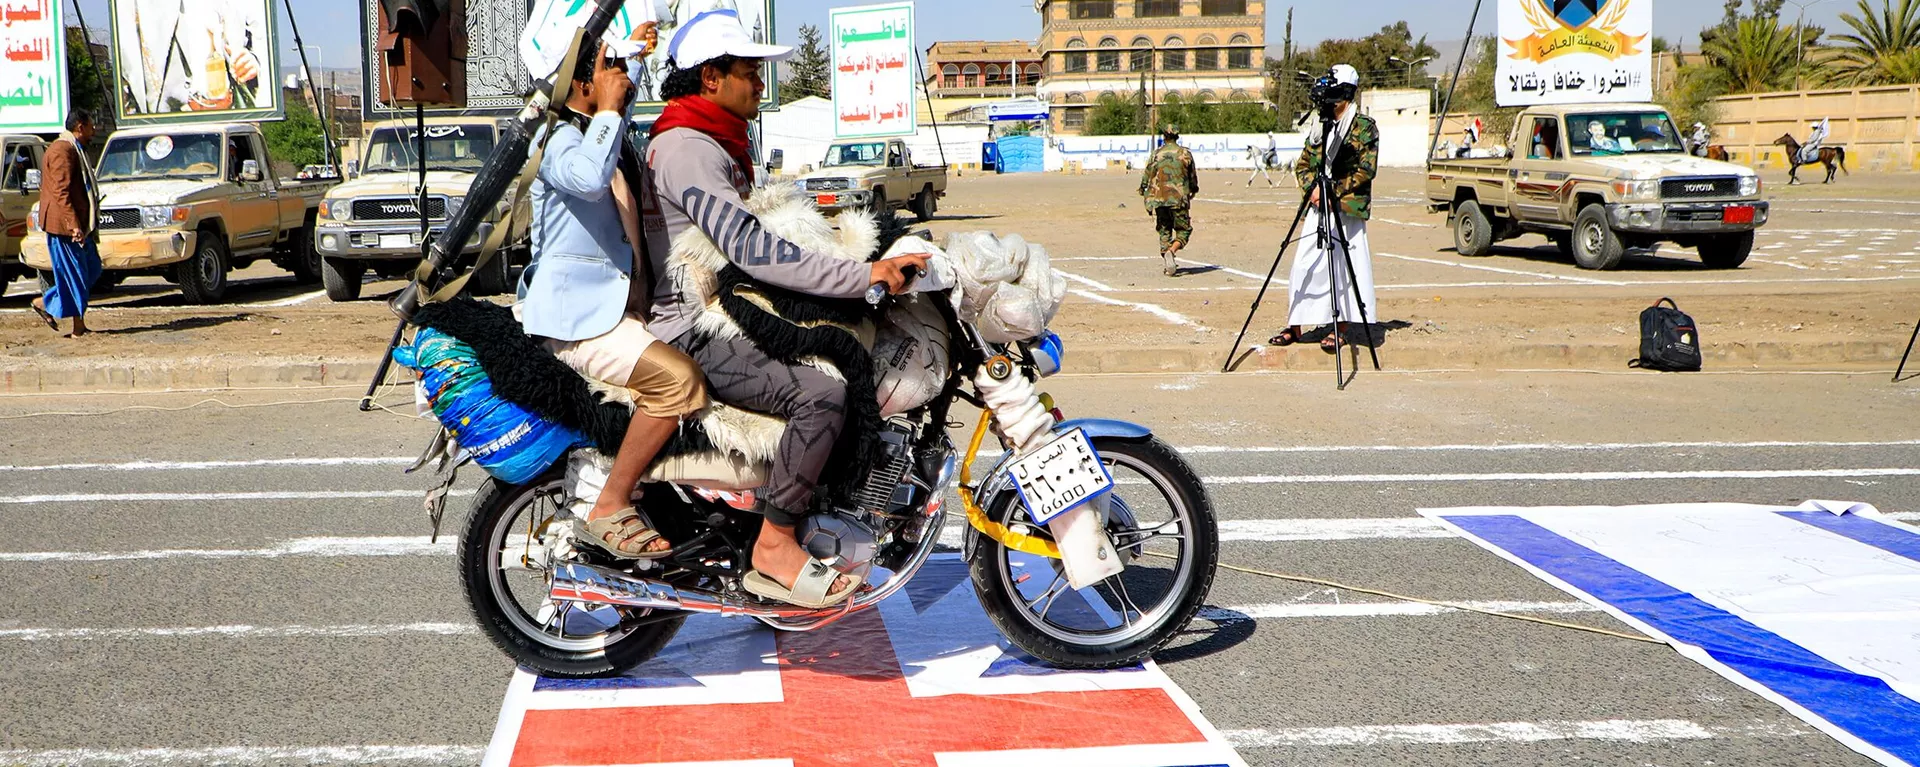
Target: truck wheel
x,y
1726,251
924,205
878,205
341,277
496,278
203,278
302,259
1595,245
1472,231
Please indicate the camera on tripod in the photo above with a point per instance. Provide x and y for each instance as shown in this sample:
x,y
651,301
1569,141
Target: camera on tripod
x,y
1327,92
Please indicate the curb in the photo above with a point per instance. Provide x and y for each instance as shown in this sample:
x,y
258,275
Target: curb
x,y
159,375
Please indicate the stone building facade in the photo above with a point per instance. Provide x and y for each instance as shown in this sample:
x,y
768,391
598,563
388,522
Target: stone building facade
x,y
981,69
1200,49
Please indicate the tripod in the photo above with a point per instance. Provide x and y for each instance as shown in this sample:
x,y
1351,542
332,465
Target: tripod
x,y
1329,234
1903,357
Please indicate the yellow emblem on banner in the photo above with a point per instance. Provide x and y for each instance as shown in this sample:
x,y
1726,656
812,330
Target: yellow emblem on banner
x,y
1552,38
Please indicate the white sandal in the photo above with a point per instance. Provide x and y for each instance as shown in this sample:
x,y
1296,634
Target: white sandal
x,y
810,587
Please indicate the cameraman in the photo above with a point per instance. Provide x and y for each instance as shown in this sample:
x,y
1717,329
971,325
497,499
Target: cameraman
x,y
1352,150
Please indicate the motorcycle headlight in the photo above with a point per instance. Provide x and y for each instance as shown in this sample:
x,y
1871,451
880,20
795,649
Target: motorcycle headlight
x,y
1749,185
1640,190
158,216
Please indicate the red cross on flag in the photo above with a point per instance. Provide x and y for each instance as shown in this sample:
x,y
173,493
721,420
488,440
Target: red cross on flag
x,y
925,680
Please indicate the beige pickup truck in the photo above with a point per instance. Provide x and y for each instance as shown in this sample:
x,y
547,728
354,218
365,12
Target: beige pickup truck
x,y
877,175
18,154
192,202
1598,179
373,221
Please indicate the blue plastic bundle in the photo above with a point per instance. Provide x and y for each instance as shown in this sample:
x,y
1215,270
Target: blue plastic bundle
x,y
508,441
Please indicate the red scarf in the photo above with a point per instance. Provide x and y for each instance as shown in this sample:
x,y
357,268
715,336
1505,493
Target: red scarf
x,y
722,126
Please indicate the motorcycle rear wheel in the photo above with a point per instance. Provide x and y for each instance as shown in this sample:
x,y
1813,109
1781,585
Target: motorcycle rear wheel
x,y
1106,633
506,588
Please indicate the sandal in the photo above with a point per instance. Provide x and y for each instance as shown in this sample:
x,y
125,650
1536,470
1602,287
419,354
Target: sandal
x,y
1330,345
1286,337
52,324
810,587
626,535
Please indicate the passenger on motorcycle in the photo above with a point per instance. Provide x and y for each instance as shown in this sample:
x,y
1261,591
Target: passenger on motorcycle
x,y
700,172
586,300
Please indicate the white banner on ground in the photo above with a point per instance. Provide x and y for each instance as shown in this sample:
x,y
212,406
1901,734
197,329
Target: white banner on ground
x,y
1813,608
874,64
1574,52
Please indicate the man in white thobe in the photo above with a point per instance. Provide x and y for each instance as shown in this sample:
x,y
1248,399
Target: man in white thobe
x,y
1321,274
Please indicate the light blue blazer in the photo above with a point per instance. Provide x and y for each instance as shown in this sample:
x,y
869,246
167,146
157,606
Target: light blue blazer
x,y
582,263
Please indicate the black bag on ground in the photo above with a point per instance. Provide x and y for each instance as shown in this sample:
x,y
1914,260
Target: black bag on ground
x,y
1668,339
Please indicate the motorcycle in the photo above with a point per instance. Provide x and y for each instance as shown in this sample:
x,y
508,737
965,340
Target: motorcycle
x,y
567,610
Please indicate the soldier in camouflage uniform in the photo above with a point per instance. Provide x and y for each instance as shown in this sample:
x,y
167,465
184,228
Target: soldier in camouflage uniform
x,y
1320,275
1168,186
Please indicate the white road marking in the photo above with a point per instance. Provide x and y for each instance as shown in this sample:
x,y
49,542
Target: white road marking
x,y
1557,476
1101,286
1779,263
1157,311
209,465
1104,258
1614,730
240,631
269,495
1299,610
244,755
1499,270
293,301
1218,267
364,546
1271,530
1406,223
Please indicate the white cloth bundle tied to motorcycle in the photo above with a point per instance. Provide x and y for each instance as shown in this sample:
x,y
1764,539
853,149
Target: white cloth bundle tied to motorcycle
x,y
1008,288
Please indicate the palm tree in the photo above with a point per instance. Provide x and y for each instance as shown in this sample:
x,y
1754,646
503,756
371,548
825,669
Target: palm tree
x,y
1757,55
1881,49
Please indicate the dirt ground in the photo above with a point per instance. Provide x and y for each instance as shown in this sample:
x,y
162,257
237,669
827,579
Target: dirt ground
x,y
1836,264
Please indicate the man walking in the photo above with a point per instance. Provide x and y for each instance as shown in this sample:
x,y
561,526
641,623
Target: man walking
x,y
70,215
1168,187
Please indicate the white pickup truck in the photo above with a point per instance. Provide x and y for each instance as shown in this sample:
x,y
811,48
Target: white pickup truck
x,y
877,175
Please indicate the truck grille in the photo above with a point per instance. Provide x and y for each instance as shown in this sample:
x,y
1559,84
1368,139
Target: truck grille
x,y
120,218
397,209
828,184
1699,188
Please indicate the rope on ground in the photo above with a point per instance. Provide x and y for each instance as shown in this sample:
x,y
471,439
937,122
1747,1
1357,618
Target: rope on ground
x,y
1436,603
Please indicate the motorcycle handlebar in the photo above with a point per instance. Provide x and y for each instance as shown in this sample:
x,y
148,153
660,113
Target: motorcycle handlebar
x,y
878,291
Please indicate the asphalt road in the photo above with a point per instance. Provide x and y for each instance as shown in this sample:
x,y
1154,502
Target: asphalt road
x,y
252,585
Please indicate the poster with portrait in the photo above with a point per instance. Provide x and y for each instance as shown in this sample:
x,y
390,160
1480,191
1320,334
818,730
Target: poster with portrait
x,y
1574,52
497,82
33,67
755,15
874,63
195,61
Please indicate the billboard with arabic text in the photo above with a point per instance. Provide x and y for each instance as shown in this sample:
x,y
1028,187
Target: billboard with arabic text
x,y
1574,52
195,61
874,64
33,67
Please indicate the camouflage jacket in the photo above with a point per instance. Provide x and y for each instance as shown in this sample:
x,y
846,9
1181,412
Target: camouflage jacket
x,y
1170,180
1353,168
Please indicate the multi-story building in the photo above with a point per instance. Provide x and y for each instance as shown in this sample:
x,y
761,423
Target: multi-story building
x,y
1199,49
966,74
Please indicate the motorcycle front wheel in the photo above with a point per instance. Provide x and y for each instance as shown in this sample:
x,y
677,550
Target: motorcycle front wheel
x,y
1161,522
505,565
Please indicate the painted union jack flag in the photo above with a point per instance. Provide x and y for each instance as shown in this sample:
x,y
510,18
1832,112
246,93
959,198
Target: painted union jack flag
x,y
923,680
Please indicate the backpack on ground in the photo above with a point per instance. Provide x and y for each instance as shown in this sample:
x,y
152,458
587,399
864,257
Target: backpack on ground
x,y
1668,339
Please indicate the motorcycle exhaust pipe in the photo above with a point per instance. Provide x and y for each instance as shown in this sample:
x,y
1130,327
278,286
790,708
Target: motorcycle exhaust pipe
x,y
575,582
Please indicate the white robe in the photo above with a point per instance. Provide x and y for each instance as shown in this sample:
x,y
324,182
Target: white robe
x,y
1312,300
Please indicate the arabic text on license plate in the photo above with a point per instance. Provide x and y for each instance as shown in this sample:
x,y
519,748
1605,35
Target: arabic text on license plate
x,y
826,199
396,240
1059,476
1737,214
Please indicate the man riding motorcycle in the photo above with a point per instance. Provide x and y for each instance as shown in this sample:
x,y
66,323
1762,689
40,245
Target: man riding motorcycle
x,y
699,172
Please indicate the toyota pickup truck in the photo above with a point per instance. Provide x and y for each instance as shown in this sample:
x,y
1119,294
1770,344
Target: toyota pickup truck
x,y
876,175
373,221
191,203
19,153
1598,179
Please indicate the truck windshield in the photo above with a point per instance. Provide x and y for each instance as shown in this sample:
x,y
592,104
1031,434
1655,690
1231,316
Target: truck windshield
x,y
857,154
1615,133
182,155
449,147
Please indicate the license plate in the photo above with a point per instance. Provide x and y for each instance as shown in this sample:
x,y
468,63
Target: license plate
x,y
396,241
826,199
1059,476
1737,214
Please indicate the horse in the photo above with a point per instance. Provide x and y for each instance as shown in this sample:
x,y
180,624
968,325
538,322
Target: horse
x,y
1829,156
1263,160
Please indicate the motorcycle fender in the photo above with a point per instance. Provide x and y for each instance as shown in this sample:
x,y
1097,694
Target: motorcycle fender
x,y
998,482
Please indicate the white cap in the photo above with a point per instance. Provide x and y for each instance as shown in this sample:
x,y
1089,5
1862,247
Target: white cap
x,y
717,33
1345,74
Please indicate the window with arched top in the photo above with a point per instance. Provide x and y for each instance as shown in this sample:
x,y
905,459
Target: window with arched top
x,y
1032,76
1241,40
1108,59
1076,43
1205,97
1206,59
1239,95
1141,42
1108,42
970,76
1208,40
950,76
1173,56
1076,98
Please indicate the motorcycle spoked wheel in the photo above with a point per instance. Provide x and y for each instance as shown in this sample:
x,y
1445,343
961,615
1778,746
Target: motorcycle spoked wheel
x,y
1172,548
508,592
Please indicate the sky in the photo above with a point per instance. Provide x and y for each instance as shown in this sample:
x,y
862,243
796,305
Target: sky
x,y
331,27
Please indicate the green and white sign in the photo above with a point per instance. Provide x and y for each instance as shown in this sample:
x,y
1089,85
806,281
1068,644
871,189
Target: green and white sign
x,y
874,61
